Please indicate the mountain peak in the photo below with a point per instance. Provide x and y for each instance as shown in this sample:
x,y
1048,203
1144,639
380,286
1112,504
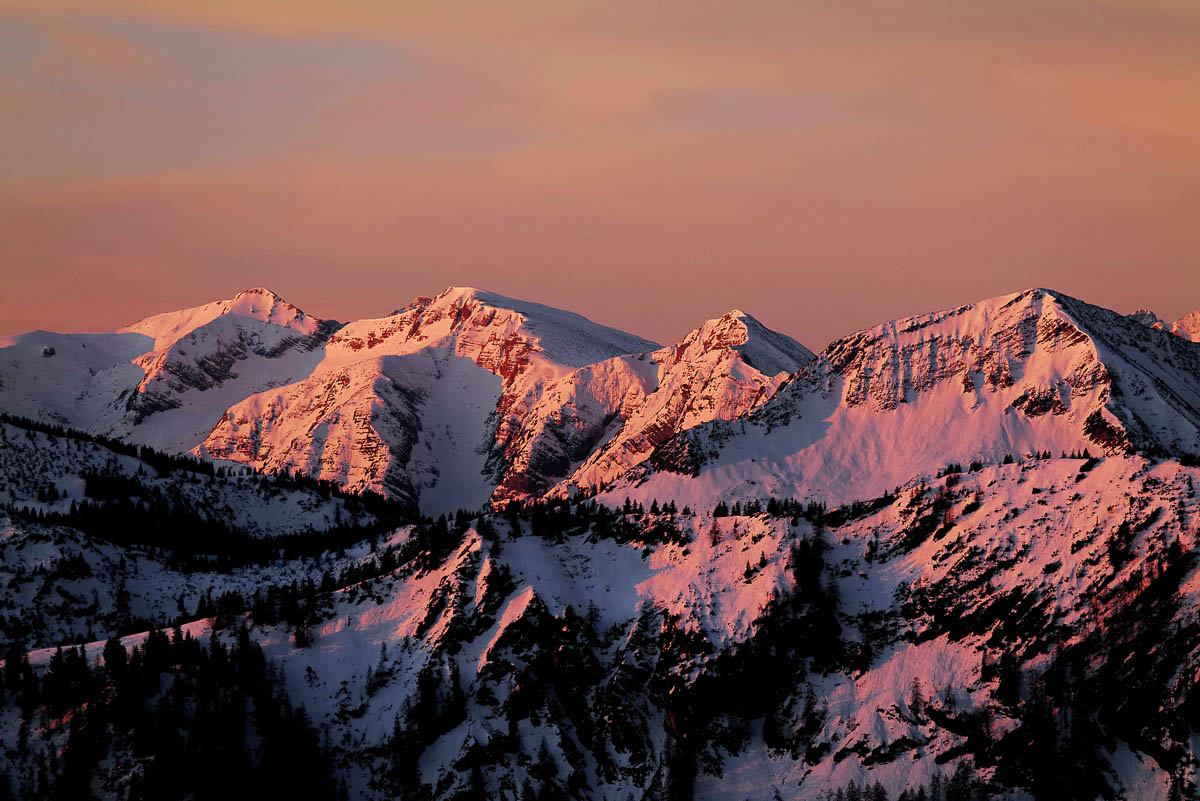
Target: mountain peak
x,y
263,304
258,290
1035,370
1188,326
768,351
561,336
256,303
1147,318
461,293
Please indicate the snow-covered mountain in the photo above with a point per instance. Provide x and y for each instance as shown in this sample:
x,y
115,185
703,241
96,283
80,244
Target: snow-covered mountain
x,y
470,397
722,370
1030,372
1006,626
425,404
994,593
166,380
1149,319
1187,326
449,402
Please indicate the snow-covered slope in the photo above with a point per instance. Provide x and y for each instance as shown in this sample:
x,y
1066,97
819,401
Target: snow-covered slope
x,y
59,585
423,404
615,414
251,304
583,643
43,473
207,358
1033,371
80,385
470,397
166,380
1187,326
1000,583
1019,628
1006,624
391,424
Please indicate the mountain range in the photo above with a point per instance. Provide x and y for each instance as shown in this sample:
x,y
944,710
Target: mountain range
x,y
471,399
484,548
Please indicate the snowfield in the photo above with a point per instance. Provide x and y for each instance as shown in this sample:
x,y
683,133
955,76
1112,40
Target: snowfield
x,y
495,550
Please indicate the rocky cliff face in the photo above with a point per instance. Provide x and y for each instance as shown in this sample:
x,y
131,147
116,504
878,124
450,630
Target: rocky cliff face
x,y
561,414
213,355
997,594
430,400
166,380
723,370
470,398
1028,372
1187,327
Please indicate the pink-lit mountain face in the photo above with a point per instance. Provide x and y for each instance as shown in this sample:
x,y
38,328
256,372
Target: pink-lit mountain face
x,y
1024,373
470,397
1187,326
951,555
445,403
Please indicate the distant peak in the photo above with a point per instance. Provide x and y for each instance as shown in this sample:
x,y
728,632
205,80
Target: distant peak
x,y
261,294
747,323
258,290
1147,318
726,331
258,303
766,350
450,296
742,319
1032,293
461,292
263,304
1188,326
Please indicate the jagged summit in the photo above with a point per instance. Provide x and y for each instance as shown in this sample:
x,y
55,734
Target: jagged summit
x,y
1188,326
432,404
471,396
1147,318
259,291
722,370
1030,371
767,351
967,624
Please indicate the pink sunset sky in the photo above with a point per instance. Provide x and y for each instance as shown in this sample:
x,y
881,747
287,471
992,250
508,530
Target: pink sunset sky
x,y
825,166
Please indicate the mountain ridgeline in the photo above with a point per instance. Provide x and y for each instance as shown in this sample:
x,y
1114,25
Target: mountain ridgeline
x,y
484,548
470,398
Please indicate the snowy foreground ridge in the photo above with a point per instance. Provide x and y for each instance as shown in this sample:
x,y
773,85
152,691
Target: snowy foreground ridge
x,y
484,548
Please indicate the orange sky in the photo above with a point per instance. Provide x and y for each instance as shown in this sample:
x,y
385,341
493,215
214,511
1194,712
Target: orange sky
x,y
823,166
